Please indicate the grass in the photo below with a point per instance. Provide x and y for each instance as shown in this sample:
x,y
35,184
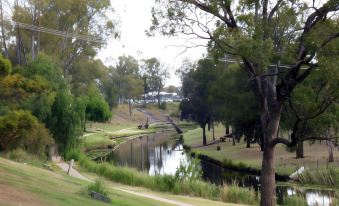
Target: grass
x,y
28,185
285,162
295,200
110,136
318,177
97,186
237,194
164,183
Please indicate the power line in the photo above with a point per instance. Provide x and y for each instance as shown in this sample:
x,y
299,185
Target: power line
x,y
53,31
241,62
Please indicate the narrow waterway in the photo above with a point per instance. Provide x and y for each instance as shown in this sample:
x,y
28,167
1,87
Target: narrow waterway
x,y
162,153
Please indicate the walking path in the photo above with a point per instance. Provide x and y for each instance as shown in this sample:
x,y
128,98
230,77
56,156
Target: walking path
x,y
75,173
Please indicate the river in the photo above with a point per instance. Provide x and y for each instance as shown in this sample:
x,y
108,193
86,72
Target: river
x,y
162,153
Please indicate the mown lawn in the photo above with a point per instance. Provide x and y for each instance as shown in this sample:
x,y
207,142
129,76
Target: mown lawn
x,y
315,154
22,184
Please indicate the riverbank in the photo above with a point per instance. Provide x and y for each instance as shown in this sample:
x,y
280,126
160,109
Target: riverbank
x,y
23,184
285,162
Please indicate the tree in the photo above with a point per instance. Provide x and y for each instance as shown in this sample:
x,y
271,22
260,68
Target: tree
x,y
132,88
234,104
197,99
109,88
127,70
156,75
97,109
87,18
259,34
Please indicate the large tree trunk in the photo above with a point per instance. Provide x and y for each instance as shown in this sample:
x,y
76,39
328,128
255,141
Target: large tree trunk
x,y
270,128
268,178
204,142
300,150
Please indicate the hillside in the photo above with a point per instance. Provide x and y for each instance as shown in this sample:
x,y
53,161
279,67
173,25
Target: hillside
x,y
22,184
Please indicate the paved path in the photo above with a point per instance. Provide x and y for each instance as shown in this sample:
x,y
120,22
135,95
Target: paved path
x,y
75,173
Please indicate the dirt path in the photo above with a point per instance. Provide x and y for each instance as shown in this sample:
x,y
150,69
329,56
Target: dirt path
x,y
75,173
151,117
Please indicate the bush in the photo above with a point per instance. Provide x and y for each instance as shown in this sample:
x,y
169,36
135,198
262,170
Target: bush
x,y
295,201
236,194
163,106
5,66
98,187
20,129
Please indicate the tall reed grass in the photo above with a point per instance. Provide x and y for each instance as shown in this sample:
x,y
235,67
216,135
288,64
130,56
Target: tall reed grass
x,y
295,200
167,183
235,194
318,177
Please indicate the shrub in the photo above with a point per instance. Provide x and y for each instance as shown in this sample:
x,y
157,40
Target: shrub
x,y
236,194
5,66
98,187
295,201
20,129
189,172
163,106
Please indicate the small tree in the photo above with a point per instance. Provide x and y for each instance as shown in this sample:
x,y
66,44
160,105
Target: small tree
x,y
97,109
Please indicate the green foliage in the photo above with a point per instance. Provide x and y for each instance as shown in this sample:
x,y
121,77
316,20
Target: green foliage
x,y
97,186
5,66
163,106
238,195
20,129
65,122
45,67
189,172
97,109
295,200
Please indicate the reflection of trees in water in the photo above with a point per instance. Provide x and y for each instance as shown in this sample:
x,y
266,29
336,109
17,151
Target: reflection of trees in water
x,y
145,152
150,153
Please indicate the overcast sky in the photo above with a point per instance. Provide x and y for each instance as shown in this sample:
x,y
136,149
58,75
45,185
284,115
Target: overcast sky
x,y
135,18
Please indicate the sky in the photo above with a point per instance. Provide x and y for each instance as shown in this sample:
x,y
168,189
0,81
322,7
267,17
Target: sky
x,y
135,18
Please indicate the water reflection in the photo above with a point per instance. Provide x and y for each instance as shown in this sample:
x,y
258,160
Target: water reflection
x,y
161,154
154,154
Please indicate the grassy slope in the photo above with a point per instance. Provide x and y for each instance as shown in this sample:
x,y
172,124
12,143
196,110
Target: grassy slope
x,y
122,125
98,135
27,185
22,184
184,199
286,163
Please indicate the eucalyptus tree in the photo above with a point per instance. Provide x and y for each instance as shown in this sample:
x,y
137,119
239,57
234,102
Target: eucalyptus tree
x,y
234,103
126,67
156,75
301,35
197,86
73,18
